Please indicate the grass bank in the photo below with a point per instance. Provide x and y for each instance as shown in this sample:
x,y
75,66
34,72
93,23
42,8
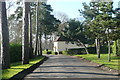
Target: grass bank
x,y
103,60
18,67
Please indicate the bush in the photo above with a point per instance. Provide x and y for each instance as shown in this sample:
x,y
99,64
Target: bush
x,y
91,50
114,48
15,52
76,51
49,52
118,48
104,49
60,52
56,53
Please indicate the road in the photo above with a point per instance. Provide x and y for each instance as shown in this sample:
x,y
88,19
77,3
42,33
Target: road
x,y
59,66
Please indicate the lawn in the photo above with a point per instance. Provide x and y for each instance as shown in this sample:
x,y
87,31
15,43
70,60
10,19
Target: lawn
x,y
103,60
18,67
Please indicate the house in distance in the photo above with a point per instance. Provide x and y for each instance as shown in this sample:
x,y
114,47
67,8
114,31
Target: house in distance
x,y
60,44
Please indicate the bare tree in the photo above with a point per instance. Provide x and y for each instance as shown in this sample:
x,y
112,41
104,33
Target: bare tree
x,y
61,16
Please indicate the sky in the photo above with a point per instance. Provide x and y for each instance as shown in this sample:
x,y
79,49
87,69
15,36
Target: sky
x,y
70,7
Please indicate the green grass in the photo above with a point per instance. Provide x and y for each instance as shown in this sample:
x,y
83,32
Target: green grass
x,y
103,60
18,67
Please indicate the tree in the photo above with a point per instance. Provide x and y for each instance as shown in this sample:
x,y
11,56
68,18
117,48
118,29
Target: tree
x,y
5,55
89,13
61,16
100,22
74,32
48,24
30,33
25,38
107,23
15,24
36,42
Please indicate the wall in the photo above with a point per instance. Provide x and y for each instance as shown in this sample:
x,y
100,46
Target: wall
x,y
63,46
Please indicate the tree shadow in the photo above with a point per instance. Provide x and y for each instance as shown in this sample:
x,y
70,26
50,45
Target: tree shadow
x,y
65,66
79,73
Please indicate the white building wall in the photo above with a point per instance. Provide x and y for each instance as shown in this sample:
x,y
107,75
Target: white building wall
x,y
63,46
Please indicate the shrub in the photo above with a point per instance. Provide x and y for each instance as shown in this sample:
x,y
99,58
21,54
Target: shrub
x,y
15,52
49,52
60,52
56,53
76,51
116,48
91,50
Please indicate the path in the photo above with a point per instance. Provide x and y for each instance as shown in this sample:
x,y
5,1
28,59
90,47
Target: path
x,y
59,66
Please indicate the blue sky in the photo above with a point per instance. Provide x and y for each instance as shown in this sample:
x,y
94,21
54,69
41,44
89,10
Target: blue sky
x,y
70,7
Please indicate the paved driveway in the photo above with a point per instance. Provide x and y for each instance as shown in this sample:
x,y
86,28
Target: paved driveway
x,y
59,66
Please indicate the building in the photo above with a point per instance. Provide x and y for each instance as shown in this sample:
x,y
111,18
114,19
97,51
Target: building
x,y
60,44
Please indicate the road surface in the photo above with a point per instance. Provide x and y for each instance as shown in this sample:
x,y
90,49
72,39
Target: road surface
x,y
59,66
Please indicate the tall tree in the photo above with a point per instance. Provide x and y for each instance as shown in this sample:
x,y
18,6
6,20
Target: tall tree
x,y
5,55
89,13
25,38
30,33
74,32
48,24
106,23
36,41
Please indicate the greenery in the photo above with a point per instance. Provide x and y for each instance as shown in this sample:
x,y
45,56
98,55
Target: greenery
x,y
91,50
116,48
103,60
101,25
18,67
15,52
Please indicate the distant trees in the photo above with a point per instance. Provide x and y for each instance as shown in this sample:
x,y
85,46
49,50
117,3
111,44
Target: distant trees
x,y
5,55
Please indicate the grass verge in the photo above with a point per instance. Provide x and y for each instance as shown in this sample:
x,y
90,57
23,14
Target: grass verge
x,y
18,67
103,60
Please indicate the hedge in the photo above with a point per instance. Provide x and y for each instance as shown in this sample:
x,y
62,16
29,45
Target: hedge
x,y
116,48
91,50
15,52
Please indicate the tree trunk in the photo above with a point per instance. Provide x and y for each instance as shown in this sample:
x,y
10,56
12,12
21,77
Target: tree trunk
x,y
109,53
5,55
108,39
117,47
40,47
97,41
30,35
46,45
36,43
84,46
25,38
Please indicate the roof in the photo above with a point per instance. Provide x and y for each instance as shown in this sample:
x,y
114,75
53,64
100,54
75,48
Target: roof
x,y
61,39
